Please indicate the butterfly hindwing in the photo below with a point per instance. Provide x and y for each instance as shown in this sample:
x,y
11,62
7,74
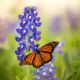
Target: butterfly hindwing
x,y
37,62
46,57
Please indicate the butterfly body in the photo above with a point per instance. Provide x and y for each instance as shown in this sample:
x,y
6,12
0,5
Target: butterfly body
x,y
40,56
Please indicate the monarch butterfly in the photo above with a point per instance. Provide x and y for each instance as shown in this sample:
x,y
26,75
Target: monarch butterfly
x,y
41,56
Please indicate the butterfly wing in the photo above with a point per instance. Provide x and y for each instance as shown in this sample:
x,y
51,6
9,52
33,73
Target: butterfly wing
x,y
32,59
46,57
46,51
37,62
41,56
49,48
28,59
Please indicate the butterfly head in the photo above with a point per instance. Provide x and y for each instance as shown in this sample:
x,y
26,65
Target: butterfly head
x,y
23,62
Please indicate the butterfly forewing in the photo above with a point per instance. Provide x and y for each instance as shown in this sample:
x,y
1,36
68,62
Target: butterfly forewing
x,y
46,48
49,47
46,51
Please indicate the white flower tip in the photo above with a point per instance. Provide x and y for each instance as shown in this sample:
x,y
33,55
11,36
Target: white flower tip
x,y
24,31
21,46
44,73
51,65
31,39
29,17
31,26
50,70
24,22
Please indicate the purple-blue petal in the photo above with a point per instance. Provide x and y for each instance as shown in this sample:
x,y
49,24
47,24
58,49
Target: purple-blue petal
x,y
17,52
20,17
38,24
61,52
34,29
52,73
35,79
29,39
35,72
54,67
26,9
30,17
41,68
32,42
19,49
18,30
23,42
22,33
38,38
22,38
21,57
34,47
63,43
55,78
17,39
34,35
38,32
53,59
38,18
35,14
21,24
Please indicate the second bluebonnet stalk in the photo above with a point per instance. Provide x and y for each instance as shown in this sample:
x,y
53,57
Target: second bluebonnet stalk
x,y
47,71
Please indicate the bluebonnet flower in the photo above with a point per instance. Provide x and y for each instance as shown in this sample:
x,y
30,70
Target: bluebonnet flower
x,y
6,27
55,25
28,31
59,48
46,72
72,19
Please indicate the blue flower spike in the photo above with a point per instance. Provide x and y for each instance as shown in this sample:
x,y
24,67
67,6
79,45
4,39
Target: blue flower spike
x,y
28,31
46,72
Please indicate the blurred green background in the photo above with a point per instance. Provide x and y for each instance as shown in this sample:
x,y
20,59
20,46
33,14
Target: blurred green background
x,y
60,21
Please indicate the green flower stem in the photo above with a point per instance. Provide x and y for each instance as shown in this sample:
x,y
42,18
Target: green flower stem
x,y
28,65
28,51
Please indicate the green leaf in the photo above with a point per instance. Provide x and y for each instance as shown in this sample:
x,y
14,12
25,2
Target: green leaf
x,y
77,61
64,74
79,57
71,75
17,78
66,58
25,78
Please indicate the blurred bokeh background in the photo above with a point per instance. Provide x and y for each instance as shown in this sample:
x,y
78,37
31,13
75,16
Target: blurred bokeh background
x,y
60,21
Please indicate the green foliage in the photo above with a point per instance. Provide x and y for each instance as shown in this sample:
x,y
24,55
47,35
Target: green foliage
x,y
68,66
17,78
